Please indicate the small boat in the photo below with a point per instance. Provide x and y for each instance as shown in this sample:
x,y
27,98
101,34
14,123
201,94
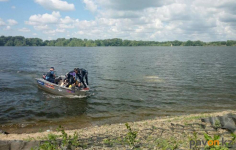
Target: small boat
x,y
60,90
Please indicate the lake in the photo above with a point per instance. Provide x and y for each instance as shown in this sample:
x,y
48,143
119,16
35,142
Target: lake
x,y
127,84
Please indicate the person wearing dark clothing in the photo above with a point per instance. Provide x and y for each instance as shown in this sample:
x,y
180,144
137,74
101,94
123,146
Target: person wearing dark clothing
x,y
50,76
82,73
72,77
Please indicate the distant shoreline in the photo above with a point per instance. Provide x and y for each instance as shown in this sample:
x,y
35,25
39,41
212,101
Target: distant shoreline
x,y
75,42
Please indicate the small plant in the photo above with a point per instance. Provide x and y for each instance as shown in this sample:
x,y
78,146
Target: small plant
x,y
195,139
29,139
232,141
165,144
217,124
130,136
51,143
208,137
162,143
108,142
214,146
58,142
233,137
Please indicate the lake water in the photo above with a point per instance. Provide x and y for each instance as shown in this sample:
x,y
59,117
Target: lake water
x,y
127,84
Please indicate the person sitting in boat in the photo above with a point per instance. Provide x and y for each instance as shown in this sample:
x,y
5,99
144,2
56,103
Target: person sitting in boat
x,y
50,76
82,73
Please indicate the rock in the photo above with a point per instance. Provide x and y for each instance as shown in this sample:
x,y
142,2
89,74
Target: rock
x,y
17,145
227,123
4,145
233,116
3,132
29,145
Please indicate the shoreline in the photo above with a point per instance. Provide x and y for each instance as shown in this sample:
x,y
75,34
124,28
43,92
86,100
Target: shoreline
x,y
71,123
148,131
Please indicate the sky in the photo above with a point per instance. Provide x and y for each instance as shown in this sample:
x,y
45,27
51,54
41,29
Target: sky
x,y
149,20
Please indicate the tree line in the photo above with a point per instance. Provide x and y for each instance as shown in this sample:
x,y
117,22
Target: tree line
x,y
75,42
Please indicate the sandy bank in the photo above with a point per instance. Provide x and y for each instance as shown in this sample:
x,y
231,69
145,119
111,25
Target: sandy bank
x,y
158,133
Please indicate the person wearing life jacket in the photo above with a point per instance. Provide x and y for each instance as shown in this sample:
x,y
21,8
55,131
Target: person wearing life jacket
x,y
82,73
72,77
50,76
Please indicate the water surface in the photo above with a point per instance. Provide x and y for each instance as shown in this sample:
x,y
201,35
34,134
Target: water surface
x,y
127,84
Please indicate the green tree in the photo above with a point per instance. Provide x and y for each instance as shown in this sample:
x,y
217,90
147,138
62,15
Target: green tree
x,y
231,43
189,43
9,43
75,42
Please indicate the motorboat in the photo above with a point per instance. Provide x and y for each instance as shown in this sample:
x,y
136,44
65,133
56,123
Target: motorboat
x,y
58,89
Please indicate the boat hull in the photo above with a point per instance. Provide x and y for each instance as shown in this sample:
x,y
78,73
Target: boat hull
x,y
58,90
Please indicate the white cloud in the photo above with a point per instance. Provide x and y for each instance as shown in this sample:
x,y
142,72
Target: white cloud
x,y
24,30
46,22
42,27
2,23
50,32
3,0
90,5
7,28
53,32
64,26
227,17
56,5
44,19
13,7
85,24
60,30
164,20
145,20
66,20
132,5
12,22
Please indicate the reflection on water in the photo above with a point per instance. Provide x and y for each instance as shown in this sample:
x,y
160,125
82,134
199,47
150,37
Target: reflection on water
x,y
153,79
127,84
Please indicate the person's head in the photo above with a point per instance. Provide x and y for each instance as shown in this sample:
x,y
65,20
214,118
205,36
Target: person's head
x,y
76,70
52,70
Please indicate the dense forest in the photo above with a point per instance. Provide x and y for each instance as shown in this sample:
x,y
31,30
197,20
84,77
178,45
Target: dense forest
x,y
74,42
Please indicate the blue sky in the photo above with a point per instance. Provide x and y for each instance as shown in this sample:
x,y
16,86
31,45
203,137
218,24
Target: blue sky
x,y
25,8
161,20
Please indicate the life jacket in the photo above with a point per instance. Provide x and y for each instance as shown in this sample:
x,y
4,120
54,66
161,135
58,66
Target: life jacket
x,y
49,75
71,77
70,74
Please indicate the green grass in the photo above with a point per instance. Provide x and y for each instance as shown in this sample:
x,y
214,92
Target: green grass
x,y
58,142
